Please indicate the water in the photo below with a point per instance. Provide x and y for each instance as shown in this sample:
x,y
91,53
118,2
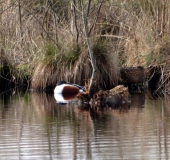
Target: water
x,y
34,126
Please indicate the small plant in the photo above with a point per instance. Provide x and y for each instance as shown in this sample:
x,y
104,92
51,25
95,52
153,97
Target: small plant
x,y
72,54
100,50
148,58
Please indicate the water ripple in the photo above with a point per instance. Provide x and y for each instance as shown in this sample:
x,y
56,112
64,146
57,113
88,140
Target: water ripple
x,y
41,129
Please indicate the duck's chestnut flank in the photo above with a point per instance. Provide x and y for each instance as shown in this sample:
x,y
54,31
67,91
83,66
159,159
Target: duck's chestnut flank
x,y
68,88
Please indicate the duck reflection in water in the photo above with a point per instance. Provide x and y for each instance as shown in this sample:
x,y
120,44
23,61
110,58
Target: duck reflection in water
x,y
64,98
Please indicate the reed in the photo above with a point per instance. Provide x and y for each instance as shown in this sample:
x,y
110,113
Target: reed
x,y
74,66
159,71
45,41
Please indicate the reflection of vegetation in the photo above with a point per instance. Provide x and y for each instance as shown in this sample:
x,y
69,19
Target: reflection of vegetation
x,y
5,97
41,123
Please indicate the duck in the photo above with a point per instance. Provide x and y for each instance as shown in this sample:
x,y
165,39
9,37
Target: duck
x,y
64,87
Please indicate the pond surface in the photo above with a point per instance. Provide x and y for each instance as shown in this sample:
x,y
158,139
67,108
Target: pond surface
x,y
34,126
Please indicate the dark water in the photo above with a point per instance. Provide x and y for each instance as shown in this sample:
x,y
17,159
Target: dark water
x,y
34,126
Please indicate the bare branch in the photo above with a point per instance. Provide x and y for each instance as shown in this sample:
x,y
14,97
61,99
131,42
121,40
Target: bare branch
x,y
88,8
42,27
55,19
20,19
96,17
8,7
75,20
92,58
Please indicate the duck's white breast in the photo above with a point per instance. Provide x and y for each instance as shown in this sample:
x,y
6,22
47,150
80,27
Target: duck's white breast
x,y
59,89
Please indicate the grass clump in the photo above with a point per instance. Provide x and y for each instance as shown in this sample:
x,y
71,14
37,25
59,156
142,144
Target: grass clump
x,y
66,56
55,65
148,58
22,75
106,65
73,65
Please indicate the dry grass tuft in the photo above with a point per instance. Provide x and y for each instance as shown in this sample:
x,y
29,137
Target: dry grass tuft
x,y
75,67
132,33
159,78
159,71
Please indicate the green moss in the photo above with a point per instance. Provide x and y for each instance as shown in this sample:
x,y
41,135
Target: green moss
x,y
67,56
22,73
72,54
1,66
148,58
51,52
100,50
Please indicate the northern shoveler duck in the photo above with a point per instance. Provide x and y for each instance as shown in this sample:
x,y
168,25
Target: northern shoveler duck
x,y
64,87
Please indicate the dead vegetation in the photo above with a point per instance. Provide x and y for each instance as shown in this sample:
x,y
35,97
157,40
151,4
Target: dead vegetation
x,y
45,42
117,96
76,69
158,71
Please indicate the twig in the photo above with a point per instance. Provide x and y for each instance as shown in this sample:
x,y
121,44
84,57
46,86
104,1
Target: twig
x,y
96,17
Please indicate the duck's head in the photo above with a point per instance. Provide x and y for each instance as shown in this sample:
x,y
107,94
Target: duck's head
x,y
61,82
